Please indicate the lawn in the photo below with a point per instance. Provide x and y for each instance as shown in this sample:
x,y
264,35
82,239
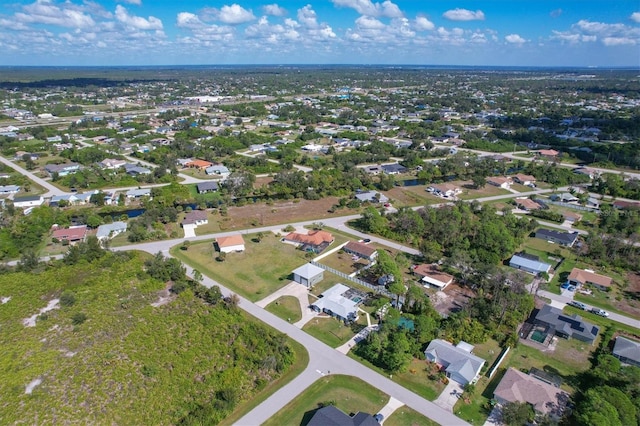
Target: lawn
x,y
486,191
333,332
260,270
405,416
286,307
344,262
347,393
416,378
601,321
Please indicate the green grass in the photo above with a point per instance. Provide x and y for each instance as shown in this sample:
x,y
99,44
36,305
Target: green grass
x,y
331,331
405,416
260,270
601,321
349,394
416,378
286,307
475,409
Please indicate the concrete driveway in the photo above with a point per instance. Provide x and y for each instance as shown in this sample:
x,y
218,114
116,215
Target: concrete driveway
x,y
449,396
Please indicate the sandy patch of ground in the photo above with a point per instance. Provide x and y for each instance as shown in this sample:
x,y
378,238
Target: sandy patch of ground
x,y
31,321
452,299
631,301
164,296
32,385
5,299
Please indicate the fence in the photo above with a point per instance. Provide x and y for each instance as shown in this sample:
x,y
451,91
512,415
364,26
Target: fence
x,y
573,206
375,288
498,362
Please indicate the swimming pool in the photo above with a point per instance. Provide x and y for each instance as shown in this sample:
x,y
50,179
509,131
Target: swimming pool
x,y
538,336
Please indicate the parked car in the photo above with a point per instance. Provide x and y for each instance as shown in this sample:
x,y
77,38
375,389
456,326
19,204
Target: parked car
x,y
578,305
572,288
600,312
565,286
379,418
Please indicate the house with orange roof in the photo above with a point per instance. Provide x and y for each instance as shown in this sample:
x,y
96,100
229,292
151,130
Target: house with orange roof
x,y
431,275
582,277
198,164
550,154
523,179
230,244
313,241
72,234
500,181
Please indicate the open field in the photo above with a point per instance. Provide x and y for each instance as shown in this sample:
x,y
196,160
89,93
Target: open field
x,y
347,393
332,331
405,416
286,307
255,273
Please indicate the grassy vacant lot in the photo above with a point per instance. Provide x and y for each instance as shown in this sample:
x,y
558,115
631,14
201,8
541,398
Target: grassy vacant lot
x,y
486,191
260,270
333,332
125,360
405,416
416,378
347,393
344,262
286,307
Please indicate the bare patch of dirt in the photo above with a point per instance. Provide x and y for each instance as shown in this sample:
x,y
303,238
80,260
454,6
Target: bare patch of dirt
x,y
631,296
164,296
452,299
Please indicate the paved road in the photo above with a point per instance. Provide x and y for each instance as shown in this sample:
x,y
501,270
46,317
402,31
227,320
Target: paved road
x,y
51,189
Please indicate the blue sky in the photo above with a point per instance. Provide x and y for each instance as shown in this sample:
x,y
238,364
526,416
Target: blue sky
x,y
426,32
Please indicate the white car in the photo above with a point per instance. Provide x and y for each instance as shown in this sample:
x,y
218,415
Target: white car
x,y
600,312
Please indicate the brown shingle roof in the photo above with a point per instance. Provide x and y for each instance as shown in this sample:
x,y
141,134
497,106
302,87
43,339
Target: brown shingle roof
x,y
360,248
312,237
516,386
582,276
432,272
232,240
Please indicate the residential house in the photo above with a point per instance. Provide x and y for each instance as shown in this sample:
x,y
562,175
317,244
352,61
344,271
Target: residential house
x,y
230,244
529,263
500,181
195,218
138,193
135,170
182,162
522,179
9,189
373,170
372,197
627,351
308,274
583,277
566,326
199,164
28,201
314,241
329,415
550,154
445,190
591,173
393,169
620,204
110,230
219,170
55,200
362,250
112,164
72,234
458,362
431,275
313,147
545,398
571,217
527,204
567,239
61,169
334,302
204,187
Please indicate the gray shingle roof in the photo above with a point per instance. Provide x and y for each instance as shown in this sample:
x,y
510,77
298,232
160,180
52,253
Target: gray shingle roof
x,y
627,348
454,359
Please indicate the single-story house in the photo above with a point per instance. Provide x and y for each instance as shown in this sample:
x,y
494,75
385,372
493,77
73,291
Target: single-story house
x,y
571,217
204,187
459,363
71,234
332,416
362,250
527,204
9,189
529,263
627,351
138,193
110,230
565,197
195,217
393,169
567,239
199,164
135,170
308,274
445,190
431,275
581,277
551,154
61,169
524,179
111,163
28,201
219,170
313,241
586,171
566,326
621,204
230,243
373,170
56,199
545,398
312,147
334,303
372,197
500,181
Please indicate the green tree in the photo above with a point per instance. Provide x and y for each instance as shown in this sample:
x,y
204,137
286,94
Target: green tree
x,y
595,409
518,413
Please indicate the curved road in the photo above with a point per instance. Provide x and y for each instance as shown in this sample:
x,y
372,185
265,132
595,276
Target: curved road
x,y
51,189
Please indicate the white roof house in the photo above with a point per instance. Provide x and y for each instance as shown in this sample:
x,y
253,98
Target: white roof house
x,y
459,363
110,230
308,274
335,304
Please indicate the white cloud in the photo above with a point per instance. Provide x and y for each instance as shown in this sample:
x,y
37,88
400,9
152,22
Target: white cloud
x,y
235,14
585,31
618,41
463,15
555,13
274,10
386,9
307,17
137,22
188,20
421,23
366,22
635,17
44,12
134,2
514,39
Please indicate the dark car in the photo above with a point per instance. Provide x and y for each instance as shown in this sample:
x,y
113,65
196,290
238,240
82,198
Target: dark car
x,y
578,305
